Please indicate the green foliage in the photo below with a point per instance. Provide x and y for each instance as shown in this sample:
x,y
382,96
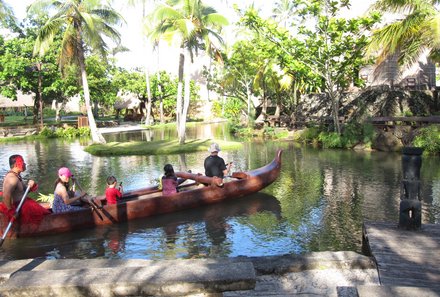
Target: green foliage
x,y
331,140
99,77
232,109
429,139
68,132
47,132
42,198
324,55
309,135
352,135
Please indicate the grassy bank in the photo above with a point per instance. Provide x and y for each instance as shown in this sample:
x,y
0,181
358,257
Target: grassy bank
x,y
162,147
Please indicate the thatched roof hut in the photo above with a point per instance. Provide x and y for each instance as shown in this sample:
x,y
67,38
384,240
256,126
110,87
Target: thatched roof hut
x,y
127,100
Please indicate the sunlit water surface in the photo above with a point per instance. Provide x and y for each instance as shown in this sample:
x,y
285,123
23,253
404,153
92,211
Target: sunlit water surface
x,y
318,203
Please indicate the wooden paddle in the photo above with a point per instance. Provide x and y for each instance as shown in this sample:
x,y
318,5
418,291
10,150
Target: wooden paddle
x,y
89,201
215,181
14,217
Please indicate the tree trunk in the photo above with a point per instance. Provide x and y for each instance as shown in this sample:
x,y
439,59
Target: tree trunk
x,y
35,109
96,135
248,94
186,99
149,101
179,97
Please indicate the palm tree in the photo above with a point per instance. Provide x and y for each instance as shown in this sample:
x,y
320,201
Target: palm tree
x,y
147,73
283,11
194,26
85,22
411,36
6,14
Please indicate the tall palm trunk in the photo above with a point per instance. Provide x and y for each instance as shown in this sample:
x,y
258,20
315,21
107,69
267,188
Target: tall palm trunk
x,y
179,103
149,101
96,136
186,99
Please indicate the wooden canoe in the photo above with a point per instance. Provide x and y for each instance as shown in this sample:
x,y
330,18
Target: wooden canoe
x,y
150,201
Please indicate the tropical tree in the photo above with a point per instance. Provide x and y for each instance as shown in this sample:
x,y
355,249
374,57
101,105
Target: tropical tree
x,y
415,33
194,27
20,71
146,68
283,11
7,17
328,51
85,22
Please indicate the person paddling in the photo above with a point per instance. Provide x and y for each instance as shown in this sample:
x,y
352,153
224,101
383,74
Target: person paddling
x,y
215,165
63,198
13,191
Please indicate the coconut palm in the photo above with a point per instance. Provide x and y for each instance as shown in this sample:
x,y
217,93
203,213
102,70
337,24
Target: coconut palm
x,y
283,11
6,14
411,36
147,73
194,27
85,23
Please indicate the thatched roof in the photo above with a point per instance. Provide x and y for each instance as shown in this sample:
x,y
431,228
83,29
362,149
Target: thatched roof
x,y
23,100
127,100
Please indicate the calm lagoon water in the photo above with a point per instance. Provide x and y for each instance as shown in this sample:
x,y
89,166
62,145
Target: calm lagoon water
x,y
318,203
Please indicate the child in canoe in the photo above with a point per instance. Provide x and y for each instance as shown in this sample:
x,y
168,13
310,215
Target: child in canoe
x,y
113,193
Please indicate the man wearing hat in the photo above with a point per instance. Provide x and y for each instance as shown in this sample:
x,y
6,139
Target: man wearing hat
x,y
215,165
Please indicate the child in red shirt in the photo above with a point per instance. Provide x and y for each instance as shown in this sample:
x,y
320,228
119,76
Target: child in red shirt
x,y
112,193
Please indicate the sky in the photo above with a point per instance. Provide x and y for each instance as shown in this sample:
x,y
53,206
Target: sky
x,y
132,35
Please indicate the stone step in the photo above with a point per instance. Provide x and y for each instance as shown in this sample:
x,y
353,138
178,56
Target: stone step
x,y
396,291
128,277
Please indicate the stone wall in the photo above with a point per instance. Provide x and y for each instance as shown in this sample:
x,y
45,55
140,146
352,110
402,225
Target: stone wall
x,y
376,101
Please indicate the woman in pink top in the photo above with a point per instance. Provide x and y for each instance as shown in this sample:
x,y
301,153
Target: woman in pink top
x,y
169,181
112,194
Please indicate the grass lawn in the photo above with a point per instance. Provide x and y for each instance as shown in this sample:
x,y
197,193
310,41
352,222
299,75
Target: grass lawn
x,y
162,147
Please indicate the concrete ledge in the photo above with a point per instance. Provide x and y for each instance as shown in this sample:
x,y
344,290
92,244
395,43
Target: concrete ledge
x,y
164,278
388,291
318,260
7,268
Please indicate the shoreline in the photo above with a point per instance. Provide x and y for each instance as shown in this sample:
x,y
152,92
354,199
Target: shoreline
x,y
313,274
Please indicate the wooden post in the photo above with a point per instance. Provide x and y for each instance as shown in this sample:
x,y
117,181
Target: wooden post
x,y
410,216
83,122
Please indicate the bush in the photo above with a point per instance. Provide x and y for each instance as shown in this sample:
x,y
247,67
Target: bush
x,y
331,140
429,139
352,135
309,135
47,132
68,132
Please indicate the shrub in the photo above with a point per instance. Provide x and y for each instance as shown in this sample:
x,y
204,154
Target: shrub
x,y
429,139
309,135
47,132
331,140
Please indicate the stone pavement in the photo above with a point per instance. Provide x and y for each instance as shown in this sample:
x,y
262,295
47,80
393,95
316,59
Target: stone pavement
x,y
314,274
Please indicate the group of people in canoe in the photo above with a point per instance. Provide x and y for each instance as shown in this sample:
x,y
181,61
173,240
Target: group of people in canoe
x,y
65,199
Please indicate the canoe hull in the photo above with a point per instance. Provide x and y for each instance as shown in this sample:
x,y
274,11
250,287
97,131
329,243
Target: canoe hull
x,y
140,205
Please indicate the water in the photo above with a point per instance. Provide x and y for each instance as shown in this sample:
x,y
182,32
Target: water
x,y
318,203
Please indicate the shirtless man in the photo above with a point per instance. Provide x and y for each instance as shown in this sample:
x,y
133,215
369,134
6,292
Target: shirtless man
x,y
13,185
13,191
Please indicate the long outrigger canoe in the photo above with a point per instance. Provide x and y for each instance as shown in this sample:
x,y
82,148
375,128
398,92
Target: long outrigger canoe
x,y
150,202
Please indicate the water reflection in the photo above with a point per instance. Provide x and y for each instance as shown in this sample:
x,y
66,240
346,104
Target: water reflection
x,y
318,203
196,131
201,232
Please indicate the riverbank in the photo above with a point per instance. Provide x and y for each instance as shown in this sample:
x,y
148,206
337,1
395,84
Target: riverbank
x,y
314,274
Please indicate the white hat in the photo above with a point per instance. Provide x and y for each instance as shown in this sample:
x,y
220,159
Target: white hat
x,y
214,148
